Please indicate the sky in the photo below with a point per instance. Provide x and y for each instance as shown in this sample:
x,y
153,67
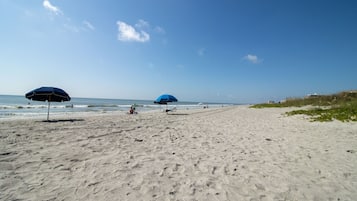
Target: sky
x,y
229,51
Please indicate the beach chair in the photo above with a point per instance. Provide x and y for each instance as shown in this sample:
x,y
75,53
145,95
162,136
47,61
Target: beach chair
x,y
171,110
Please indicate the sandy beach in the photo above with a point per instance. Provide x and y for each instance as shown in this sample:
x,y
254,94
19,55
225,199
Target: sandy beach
x,y
230,153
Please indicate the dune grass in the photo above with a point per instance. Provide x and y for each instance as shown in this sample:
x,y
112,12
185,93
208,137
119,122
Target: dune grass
x,y
341,106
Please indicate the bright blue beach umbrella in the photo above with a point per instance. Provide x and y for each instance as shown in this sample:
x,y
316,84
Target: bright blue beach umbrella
x,y
49,94
165,98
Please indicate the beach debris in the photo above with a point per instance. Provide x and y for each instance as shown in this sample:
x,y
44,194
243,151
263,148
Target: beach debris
x,y
138,140
351,151
268,139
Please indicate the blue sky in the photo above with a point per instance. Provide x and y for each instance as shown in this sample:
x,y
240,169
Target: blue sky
x,y
238,51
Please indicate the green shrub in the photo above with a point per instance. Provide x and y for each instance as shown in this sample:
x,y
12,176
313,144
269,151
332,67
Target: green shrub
x,y
341,106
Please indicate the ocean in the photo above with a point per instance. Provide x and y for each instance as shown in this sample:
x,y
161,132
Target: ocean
x,y
19,106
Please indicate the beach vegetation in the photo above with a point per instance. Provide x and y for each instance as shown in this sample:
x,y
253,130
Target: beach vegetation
x,y
341,106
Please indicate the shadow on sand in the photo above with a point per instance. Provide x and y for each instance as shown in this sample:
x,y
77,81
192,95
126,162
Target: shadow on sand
x,y
61,120
168,113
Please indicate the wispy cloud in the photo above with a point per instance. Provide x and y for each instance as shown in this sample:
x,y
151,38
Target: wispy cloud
x,y
129,33
145,25
142,24
67,23
139,32
88,25
252,58
47,4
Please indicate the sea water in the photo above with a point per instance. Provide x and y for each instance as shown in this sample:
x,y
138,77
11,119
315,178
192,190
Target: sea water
x,y
19,106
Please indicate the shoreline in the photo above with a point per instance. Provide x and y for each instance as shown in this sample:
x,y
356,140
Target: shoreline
x,y
88,114
20,106
229,153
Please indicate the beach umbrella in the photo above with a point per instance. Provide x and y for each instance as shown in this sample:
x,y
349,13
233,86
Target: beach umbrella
x,y
165,98
49,94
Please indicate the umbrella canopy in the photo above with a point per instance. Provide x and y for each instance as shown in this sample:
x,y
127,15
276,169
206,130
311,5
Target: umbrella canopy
x,y
49,94
165,98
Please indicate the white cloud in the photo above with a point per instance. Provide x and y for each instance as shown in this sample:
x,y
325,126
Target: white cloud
x,y
252,58
47,4
88,25
128,33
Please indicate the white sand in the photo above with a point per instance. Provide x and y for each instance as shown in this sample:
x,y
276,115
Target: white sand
x,y
232,153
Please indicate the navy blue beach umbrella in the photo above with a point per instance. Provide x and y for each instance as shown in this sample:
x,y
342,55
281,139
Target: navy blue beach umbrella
x,y
49,94
165,98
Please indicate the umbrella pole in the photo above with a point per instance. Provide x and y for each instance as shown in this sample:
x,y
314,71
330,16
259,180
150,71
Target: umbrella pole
x,y
48,111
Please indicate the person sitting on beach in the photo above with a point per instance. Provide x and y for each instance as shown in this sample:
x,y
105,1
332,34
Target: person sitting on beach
x,y
132,110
